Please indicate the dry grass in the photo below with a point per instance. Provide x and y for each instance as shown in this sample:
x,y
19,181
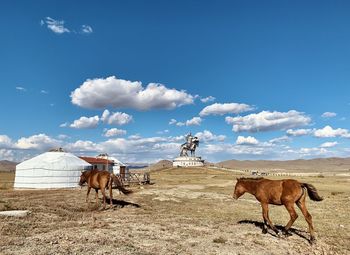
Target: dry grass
x,y
6,180
186,211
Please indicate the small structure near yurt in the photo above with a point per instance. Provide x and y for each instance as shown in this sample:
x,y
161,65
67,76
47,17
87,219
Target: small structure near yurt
x,y
99,163
113,165
53,169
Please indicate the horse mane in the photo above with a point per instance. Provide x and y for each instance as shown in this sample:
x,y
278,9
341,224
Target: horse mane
x,y
250,178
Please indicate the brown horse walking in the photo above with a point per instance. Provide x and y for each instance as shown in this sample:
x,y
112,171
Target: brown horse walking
x,y
279,192
101,180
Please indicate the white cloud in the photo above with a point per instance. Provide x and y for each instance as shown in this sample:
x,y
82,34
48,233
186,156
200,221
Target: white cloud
x,y
62,136
66,124
21,89
82,146
116,118
221,109
328,131
44,91
118,93
5,142
172,121
328,144
280,139
268,121
7,155
249,140
207,99
207,136
113,132
328,115
180,124
85,122
195,121
304,152
299,132
56,26
162,132
86,29
37,142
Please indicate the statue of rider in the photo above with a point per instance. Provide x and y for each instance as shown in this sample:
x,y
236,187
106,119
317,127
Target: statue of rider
x,y
185,146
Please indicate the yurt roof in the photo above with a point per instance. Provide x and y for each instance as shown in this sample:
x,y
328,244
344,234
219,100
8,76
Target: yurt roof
x,y
53,160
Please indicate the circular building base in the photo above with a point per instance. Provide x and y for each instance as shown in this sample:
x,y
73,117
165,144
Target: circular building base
x,y
188,162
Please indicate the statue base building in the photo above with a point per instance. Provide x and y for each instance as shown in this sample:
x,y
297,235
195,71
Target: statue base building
x,y
185,161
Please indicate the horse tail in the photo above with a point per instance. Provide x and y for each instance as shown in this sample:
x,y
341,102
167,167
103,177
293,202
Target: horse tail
x,y
120,185
312,192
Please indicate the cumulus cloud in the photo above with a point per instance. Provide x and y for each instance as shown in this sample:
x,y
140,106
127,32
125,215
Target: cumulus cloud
x,y
85,122
207,99
7,155
5,142
328,115
299,132
328,144
37,142
56,26
268,121
83,146
195,121
249,140
207,136
116,118
328,131
221,109
113,132
86,29
119,93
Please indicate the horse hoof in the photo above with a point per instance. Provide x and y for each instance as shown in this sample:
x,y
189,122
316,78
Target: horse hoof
x,y
312,240
264,231
286,233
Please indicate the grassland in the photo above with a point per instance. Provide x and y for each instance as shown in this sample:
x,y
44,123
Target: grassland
x,y
186,211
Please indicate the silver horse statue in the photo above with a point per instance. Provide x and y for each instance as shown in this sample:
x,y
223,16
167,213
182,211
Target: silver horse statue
x,y
192,142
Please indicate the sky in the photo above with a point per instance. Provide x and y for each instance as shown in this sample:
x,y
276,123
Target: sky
x,y
252,79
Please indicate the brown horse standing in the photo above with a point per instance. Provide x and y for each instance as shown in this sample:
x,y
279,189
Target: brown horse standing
x,y
279,192
101,180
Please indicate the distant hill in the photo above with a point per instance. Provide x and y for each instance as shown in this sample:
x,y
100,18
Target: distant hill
x,y
7,166
318,164
162,164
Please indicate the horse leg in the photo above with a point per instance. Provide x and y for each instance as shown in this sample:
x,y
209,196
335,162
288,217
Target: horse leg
x,y
265,212
110,194
96,197
293,216
104,197
302,206
87,195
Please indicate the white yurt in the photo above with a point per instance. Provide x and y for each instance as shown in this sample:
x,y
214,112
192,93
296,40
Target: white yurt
x,y
54,169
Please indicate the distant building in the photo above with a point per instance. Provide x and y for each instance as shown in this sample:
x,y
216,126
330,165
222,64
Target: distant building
x,y
99,163
103,160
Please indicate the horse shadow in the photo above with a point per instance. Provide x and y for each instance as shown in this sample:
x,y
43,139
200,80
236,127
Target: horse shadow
x,y
301,233
122,203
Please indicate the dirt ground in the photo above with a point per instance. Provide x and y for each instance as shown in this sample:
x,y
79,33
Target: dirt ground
x,y
185,211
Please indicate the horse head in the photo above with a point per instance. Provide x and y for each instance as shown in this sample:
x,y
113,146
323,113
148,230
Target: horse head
x,y
239,189
83,178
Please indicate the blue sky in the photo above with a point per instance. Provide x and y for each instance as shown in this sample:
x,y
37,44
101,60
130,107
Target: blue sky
x,y
253,79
